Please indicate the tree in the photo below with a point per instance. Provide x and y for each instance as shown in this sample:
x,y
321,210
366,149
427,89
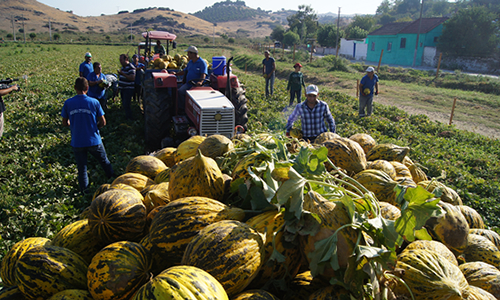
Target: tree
x,y
304,22
470,32
363,22
290,38
32,36
278,33
384,7
356,33
327,35
230,40
57,36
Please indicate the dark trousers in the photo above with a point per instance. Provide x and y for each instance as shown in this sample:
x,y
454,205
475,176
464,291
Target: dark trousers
x,y
126,95
99,152
294,93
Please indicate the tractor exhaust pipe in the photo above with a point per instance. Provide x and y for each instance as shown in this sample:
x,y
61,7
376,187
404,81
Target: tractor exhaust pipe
x,y
228,84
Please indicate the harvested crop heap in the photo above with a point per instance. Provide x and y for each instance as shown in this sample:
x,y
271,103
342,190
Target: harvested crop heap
x,y
265,217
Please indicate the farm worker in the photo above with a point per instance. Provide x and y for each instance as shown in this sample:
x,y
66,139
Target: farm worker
x,y
95,80
5,92
368,82
86,67
313,113
159,49
84,116
194,73
139,73
295,83
268,68
126,82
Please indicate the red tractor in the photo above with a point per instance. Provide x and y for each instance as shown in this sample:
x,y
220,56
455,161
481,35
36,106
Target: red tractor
x,y
217,108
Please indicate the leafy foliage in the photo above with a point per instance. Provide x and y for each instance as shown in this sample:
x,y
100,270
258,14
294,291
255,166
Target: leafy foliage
x,y
327,35
304,22
228,11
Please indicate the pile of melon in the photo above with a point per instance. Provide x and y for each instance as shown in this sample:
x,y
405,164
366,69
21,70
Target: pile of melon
x,y
215,218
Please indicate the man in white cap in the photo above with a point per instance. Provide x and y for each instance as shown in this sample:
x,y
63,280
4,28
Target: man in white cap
x,y
86,67
194,74
366,91
313,113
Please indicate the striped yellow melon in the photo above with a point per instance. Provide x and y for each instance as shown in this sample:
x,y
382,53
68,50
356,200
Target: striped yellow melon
x,y
417,174
216,145
178,222
303,285
382,165
135,180
482,275
181,283
489,234
146,165
433,246
476,293
78,237
366,141
163,176
156,195
166,155
330,293
241,168
231,251
117,215
325,136
72,295
430,276
12,293
379,183
46,270
480,248
196,176
254,295
101,189
473,218
449,228
333,215
346,154
402,172
389,211
389,152
188,148
118,271
447,194
272,225
7,271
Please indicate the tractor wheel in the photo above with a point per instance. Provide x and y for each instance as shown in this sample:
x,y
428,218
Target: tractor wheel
x,y
158,105
239,101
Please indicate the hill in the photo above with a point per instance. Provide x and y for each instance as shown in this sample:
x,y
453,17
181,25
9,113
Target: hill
x,y
36,17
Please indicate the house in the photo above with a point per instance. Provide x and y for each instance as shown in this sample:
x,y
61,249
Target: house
x,y
398,40
353,49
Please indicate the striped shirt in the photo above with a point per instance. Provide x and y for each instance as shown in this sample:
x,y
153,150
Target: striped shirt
x,y
313,120
123,82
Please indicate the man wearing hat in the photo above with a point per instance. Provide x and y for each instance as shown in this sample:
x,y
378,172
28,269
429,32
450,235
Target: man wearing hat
x,y
313,113
269,66
194,74
295,83
368,82
86,67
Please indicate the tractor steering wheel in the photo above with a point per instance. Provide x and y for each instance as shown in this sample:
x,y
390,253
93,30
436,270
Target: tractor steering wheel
x,y
205,82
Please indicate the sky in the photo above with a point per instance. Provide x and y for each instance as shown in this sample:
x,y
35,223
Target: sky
x,y
96,8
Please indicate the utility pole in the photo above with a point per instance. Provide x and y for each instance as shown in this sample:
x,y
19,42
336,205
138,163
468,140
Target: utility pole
x,y
418,34
50,30
131,33
13,29
338,33
24,30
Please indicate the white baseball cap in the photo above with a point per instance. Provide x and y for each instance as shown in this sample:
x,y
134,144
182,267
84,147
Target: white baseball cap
x,y
88,54
192,49
312,89
370,69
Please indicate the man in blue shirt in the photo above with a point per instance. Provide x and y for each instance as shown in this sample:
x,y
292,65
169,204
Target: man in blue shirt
x,y
85,117
195,71
313,113
268,68
86,66
369,81
126,82
95,80
139,74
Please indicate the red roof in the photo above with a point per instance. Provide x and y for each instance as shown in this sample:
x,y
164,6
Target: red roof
x,y
160,35
409,27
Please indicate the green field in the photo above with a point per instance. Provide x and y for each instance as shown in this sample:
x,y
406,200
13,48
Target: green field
x,y
38,177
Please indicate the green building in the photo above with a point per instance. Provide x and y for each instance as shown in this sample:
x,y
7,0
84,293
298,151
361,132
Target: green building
x,y
398,41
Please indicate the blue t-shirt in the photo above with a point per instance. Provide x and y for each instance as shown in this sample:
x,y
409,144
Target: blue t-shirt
x,y
86,68
195,69
268,63
369,83
96,91
138,72
82,112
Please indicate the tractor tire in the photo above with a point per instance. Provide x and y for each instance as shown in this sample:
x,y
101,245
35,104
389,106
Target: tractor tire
x,y
239,101
158,109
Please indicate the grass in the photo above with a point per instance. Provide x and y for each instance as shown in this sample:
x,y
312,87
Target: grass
x,y
38,179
